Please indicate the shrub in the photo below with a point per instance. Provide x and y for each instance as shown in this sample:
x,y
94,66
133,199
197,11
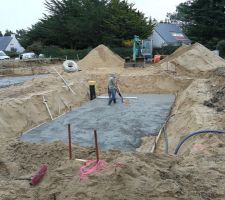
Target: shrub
x,y
12,54
221,47
166,50
123,51
54,51
36,47
72,54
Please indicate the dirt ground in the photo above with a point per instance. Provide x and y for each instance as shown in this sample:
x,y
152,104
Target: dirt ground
x,y
193,73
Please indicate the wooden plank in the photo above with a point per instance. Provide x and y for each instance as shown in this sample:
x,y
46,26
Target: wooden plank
x,y
106,97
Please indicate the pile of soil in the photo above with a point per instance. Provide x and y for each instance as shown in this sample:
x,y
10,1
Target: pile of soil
x,y
101,57
192,59
128,176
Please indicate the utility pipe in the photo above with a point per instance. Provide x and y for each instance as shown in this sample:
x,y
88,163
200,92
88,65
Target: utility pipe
x,y
156,141
81,160
163,129
196,133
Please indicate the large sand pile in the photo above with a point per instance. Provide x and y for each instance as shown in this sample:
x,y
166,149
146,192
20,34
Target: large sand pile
x,y
131,176
101,57
192,59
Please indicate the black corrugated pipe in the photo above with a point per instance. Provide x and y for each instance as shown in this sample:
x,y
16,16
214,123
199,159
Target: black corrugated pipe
x,y
197,133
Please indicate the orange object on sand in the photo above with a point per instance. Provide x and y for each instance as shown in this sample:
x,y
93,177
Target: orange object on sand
x,y
157,58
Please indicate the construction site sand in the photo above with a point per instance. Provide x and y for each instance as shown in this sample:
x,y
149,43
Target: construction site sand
x,y
28,67
197,173
192,59
101,58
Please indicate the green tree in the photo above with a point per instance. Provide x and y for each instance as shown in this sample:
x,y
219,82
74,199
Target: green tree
x,y
78,24
36,47
20,34
123,22
203,21
1,34
8,33
70,23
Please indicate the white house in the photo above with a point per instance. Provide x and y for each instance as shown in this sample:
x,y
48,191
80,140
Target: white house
x,y
10,43
165,34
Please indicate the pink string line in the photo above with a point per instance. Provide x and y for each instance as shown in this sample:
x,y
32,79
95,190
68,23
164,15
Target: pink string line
x,y
94,167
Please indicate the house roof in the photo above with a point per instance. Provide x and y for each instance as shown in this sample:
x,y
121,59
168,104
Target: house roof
x,y
4,42
171,33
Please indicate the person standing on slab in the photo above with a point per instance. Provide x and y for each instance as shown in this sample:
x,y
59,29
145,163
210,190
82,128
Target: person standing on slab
x,y
112,88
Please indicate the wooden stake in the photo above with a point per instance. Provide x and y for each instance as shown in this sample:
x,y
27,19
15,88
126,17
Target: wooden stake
x,y
96,145
65,82
69,137
45,102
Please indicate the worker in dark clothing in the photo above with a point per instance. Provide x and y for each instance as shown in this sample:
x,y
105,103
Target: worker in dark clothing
x,y
112,87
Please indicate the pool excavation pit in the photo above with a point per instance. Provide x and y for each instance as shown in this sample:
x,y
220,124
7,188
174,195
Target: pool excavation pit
x,y
119,126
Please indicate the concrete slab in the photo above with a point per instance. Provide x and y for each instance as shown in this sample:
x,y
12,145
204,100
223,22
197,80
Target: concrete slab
x,y
119,126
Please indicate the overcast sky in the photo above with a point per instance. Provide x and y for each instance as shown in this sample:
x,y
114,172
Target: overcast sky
x,y
21,14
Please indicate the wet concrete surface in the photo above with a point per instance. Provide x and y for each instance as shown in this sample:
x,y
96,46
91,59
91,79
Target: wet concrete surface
x,y
6,81
119,126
